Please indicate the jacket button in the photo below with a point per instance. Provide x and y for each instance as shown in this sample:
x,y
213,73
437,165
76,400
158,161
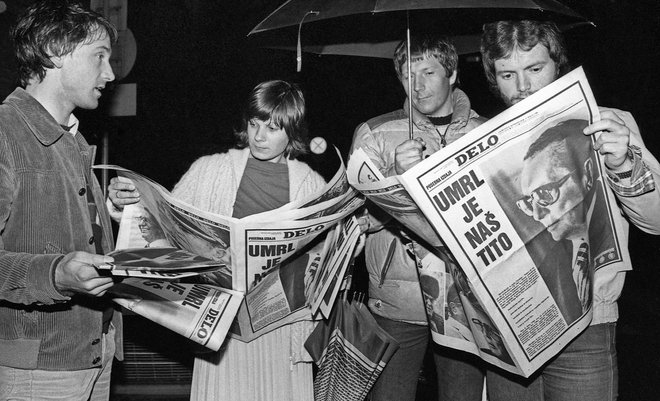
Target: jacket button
x,y
91,240
82,191
96,360
377,304
96,341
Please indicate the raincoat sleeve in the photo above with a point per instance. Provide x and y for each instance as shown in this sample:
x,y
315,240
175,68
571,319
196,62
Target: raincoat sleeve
x,y
642,210
364,138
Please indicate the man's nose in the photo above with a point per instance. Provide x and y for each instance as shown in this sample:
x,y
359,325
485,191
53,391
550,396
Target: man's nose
x,y
538,212
523,83
108,74
418,84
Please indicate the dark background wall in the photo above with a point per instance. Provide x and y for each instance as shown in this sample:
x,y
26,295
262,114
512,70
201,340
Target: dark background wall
x,y
194,66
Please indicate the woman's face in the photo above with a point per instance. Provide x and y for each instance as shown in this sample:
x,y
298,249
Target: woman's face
x,y
267,141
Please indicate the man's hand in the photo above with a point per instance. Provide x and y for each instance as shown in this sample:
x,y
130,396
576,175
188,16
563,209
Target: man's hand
x,y
613,141
122,193
77,273
408,154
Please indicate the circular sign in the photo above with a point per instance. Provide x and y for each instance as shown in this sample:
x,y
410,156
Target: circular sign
x,y
123,54
318,145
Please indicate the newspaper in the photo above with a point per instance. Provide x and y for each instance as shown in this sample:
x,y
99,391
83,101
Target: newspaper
x,y
199,312
159,263
269,257
497,200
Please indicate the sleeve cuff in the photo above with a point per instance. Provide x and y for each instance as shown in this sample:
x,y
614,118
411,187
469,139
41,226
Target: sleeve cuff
x,y
41,278
115,213
641,180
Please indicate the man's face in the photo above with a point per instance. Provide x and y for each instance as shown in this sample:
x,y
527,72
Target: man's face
x,y
428,303
457,313
523,73
431,87
150,231
553,195
84,73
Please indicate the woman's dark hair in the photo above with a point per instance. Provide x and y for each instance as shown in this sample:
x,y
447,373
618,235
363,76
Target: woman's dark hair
x,y
282,104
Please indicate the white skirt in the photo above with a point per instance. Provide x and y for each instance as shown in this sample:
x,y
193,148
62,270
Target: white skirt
x,y
273,367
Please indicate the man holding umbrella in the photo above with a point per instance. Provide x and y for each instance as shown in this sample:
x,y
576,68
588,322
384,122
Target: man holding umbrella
x,y
441,114
519,58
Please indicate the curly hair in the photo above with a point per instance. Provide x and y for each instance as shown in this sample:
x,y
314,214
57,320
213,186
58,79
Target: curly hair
x,y
501,38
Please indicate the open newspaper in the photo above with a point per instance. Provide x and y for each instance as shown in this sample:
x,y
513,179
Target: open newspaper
x,y
284,261
521,204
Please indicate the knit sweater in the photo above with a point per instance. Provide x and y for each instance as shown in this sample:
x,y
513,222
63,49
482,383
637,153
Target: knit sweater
x,y
276,365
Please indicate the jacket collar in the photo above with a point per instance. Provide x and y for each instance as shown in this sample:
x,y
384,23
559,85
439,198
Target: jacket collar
x,y
461,114
42,125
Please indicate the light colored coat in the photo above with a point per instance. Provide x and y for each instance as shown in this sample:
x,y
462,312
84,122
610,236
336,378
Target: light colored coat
x,y
394,292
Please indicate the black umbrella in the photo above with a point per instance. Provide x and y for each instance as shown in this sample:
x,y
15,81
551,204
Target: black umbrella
x,y
373,27
362,27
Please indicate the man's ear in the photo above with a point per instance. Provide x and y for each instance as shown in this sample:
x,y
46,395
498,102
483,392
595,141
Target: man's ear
x,y
588,174
452,78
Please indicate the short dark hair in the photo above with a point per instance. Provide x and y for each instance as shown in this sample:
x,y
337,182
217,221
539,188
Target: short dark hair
x,y
54,28
573,148
429,285
426,46
282,103
569,131
501,38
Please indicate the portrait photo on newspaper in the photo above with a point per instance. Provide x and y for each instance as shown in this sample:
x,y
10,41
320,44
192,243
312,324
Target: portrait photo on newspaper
x,y
551,189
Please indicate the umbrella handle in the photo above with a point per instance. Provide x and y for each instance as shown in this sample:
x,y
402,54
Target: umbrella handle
x,y
410,107
299,46
409,73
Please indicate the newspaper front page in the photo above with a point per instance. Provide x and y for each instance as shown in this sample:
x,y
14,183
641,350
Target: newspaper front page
x,y
269,257
522,205
201,313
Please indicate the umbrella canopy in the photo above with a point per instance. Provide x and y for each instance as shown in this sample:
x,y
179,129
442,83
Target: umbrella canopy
x,y
364,24
351,350
374,27
465,44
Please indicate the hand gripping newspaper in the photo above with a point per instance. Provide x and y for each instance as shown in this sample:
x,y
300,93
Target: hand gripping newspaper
x,y
271,269
495,204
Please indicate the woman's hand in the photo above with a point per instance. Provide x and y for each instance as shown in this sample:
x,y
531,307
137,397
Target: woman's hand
x,y
122,192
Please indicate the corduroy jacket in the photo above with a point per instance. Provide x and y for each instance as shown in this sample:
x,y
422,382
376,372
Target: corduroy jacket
x,y
44,215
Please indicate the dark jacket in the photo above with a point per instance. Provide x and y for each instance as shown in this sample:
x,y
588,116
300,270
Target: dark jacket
x,y
43,216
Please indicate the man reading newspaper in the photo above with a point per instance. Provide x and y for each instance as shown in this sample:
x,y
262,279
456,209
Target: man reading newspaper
x,y
441,115
521,57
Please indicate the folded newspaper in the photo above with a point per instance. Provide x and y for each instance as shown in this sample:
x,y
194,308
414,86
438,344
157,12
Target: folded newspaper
x,y
160,263
201,313
513,200
287,262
